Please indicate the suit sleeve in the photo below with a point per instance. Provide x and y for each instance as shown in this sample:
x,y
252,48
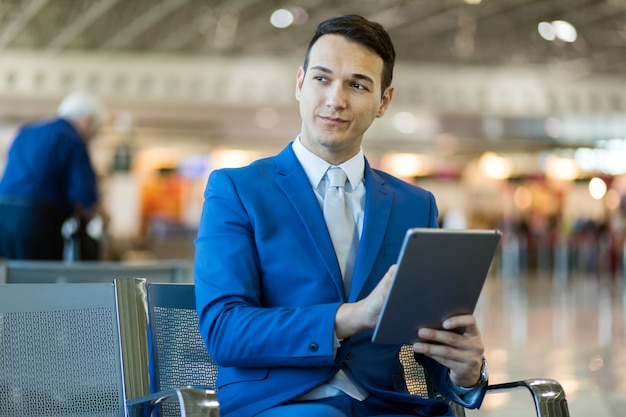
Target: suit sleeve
x,y
83,187
238,327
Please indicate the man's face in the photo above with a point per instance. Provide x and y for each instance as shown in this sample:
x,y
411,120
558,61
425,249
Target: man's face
x,y
340,96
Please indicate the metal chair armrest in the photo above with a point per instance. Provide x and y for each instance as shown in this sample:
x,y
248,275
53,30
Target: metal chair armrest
x,y
548,395
192,402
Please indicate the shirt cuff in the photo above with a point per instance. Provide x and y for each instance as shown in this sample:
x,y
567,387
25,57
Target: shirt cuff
x,y
466,396
336,343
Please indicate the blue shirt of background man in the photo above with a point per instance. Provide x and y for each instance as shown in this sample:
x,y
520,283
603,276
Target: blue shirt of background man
x,y
48,162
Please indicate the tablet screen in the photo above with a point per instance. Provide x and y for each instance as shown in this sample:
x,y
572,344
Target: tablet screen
x,y
440,273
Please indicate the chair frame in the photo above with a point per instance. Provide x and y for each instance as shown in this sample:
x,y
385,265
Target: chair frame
x,y
133,328
30,271
547,394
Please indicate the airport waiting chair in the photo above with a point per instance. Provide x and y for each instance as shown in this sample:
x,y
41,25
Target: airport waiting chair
x,y
28,272
59,351
179,356
80,349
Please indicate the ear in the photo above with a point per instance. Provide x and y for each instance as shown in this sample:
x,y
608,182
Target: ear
x,y
299,81
385,101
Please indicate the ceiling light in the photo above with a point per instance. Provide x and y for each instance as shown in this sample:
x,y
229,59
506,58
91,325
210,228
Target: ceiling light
x,y
406,165
608,157
560,168
282,18
231,158
546,30
565,31
597,188
558,29
495,166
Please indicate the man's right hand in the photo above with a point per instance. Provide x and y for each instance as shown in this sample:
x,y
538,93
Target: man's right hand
x,y
352,318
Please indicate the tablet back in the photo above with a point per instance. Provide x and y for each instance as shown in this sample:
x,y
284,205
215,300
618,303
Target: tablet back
x,y
440,274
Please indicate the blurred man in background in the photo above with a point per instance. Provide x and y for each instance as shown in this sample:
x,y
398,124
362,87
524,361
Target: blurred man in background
x,y
48,178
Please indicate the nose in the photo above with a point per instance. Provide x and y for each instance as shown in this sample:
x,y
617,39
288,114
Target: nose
x,y
336,96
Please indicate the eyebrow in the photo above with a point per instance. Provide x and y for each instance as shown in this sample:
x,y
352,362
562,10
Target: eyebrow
x,y
357,75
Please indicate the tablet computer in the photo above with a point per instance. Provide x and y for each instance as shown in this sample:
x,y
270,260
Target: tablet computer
x,y
440,273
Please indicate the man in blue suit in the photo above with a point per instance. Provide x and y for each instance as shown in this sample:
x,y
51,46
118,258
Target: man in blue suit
x,y
274,314
48,177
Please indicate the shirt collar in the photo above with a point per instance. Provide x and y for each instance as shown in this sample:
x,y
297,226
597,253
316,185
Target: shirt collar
x,y
315,167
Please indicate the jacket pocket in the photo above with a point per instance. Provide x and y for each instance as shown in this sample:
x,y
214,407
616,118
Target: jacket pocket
x,y
231,375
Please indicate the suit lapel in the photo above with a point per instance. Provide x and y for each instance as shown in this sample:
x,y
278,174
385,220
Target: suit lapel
x,y
292,179
378,203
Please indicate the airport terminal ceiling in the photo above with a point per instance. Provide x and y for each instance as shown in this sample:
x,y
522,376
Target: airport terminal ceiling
x,y
455,32
471,39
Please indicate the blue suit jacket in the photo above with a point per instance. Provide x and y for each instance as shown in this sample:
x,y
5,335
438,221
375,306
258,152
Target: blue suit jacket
x,y
268,284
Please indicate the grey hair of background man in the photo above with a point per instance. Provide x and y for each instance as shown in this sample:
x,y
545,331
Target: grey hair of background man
x,y
80,105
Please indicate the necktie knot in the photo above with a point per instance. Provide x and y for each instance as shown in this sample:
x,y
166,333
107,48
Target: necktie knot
x,y
336,177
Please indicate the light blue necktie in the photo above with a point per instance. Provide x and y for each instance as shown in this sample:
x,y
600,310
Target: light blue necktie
x,y
340,223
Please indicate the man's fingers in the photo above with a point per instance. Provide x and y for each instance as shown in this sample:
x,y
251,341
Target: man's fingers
x,y
441,337
465,325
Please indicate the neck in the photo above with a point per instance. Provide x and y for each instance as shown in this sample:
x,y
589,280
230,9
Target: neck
x,y
334,156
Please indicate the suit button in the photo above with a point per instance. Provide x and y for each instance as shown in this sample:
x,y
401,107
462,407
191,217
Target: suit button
x,y
349,355
313,347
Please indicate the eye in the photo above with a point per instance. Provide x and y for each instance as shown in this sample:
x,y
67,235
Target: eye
x,y
320,78
359,86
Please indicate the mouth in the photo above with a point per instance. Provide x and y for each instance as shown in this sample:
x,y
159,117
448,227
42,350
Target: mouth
x,y
333,120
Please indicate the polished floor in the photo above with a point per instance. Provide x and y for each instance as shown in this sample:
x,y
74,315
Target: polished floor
x,y
567,327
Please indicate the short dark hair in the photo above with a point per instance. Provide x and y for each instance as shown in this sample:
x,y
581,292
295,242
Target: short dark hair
x,y
365,32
